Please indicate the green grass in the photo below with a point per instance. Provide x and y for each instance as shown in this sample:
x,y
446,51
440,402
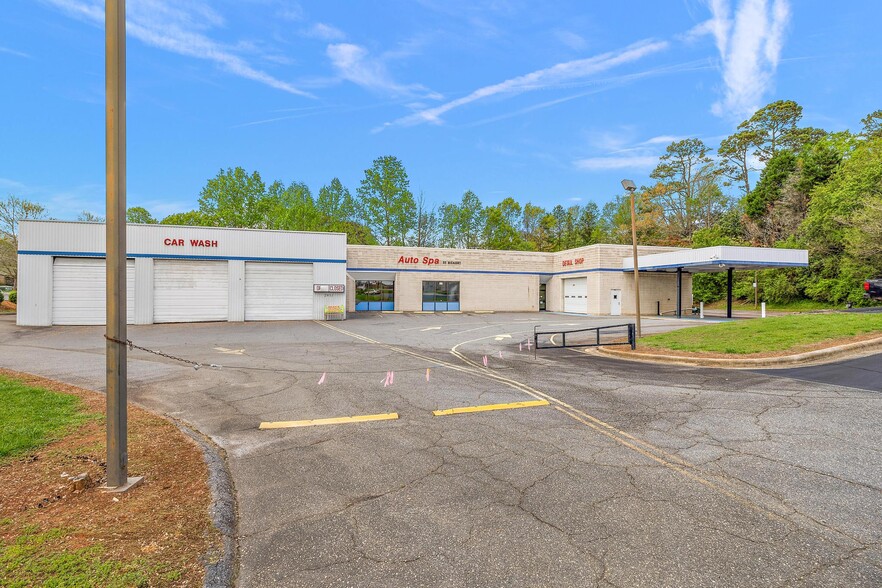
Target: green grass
x,y
794,306
767,335
32,417
37,559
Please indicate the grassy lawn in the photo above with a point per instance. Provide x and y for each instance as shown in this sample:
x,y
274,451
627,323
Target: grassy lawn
x,y
32,417
54,535
795,306
39,558
776,334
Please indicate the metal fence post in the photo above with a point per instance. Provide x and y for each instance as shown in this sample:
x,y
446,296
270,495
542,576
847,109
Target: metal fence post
x,y
632,339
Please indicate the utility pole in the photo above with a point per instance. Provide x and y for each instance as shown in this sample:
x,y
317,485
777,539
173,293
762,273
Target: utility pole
x,y
115,79
631,187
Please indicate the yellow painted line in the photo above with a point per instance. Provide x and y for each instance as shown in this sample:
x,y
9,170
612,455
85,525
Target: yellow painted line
x,y
451,312
482,408
392,311
332,421
668,460
483,311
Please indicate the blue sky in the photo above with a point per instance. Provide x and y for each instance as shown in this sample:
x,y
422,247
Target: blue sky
x,y
551,102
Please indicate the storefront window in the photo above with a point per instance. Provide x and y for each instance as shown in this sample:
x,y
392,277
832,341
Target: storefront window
x,y
439,296
374,295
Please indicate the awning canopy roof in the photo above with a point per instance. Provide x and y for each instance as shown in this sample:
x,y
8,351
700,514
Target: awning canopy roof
x,y
719,259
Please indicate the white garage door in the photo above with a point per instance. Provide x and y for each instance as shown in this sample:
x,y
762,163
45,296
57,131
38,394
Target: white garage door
x,y
576,295
79,291
190,291
278,291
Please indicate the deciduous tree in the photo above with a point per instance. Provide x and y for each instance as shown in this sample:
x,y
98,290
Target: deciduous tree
x,y
385,202
13,210
140,216
234,198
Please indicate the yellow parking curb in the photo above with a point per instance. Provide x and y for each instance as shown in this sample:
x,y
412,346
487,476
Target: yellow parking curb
x,y
485,407
331,421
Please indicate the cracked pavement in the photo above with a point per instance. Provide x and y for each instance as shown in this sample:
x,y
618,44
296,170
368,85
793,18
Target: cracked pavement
x,y
633,475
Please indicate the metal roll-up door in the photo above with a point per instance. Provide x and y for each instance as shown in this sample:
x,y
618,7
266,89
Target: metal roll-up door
x,y
576,295
187,291
278,291
79,289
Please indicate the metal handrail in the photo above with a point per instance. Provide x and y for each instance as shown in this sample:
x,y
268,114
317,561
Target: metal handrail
x,y
632,336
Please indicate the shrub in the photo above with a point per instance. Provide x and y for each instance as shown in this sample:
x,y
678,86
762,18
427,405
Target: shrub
x,y
13,297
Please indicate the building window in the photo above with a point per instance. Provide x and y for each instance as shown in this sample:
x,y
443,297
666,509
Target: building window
x,y
439,296
374,295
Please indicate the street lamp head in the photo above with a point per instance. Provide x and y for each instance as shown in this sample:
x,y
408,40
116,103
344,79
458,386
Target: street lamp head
x,y
629,185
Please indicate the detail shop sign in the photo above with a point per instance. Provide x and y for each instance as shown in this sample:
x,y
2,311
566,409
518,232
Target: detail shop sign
x,y
569,262
426,260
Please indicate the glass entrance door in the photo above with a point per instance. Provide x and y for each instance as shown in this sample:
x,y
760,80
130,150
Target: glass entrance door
x,y
542,291
374,295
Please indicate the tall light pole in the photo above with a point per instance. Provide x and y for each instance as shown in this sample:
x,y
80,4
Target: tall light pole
x,y
631,187
115,80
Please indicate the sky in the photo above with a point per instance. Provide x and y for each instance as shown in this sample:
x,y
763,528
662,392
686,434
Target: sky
x,y
547,102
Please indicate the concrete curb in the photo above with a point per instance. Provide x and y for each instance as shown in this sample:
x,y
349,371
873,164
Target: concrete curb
x,y
849,350
220,568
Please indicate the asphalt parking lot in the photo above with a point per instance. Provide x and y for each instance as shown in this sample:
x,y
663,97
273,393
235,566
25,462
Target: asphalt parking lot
x,y
616,474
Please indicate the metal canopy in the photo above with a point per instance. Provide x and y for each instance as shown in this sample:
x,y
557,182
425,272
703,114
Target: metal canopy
x,y
719,259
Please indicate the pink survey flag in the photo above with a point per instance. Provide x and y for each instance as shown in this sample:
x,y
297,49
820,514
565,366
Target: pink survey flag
x,y
428,372
485,361
322,379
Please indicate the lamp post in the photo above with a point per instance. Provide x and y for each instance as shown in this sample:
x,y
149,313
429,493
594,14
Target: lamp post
x,y
631,187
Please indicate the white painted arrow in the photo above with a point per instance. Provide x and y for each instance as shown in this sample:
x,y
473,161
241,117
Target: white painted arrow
x,y
501,337
431,329
229,351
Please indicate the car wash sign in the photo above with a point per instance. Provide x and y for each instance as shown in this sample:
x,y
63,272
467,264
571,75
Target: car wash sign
x,y
174,242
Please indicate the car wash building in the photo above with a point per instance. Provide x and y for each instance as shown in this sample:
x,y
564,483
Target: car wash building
x,y
190,274
180,274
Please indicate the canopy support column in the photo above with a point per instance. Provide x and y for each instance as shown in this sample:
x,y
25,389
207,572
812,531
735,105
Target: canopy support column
x,y
729,273
679,292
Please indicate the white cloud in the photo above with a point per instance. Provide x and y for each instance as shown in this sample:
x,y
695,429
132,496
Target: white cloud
x,y
544,78
178,30
661,140
325,32
9,51
355,64
749,41
575,199
617,162
571,40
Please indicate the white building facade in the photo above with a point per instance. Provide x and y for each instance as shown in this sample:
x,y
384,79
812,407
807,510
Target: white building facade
x,y
198,274
179,274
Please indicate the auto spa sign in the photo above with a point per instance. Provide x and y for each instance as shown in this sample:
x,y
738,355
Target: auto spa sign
x,y
425,260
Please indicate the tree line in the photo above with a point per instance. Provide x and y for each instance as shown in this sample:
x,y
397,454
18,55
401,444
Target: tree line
x,y
815,189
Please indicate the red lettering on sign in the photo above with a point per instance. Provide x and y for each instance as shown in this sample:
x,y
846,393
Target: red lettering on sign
x,y
403,259
580,261
173,242
202,243
567,262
